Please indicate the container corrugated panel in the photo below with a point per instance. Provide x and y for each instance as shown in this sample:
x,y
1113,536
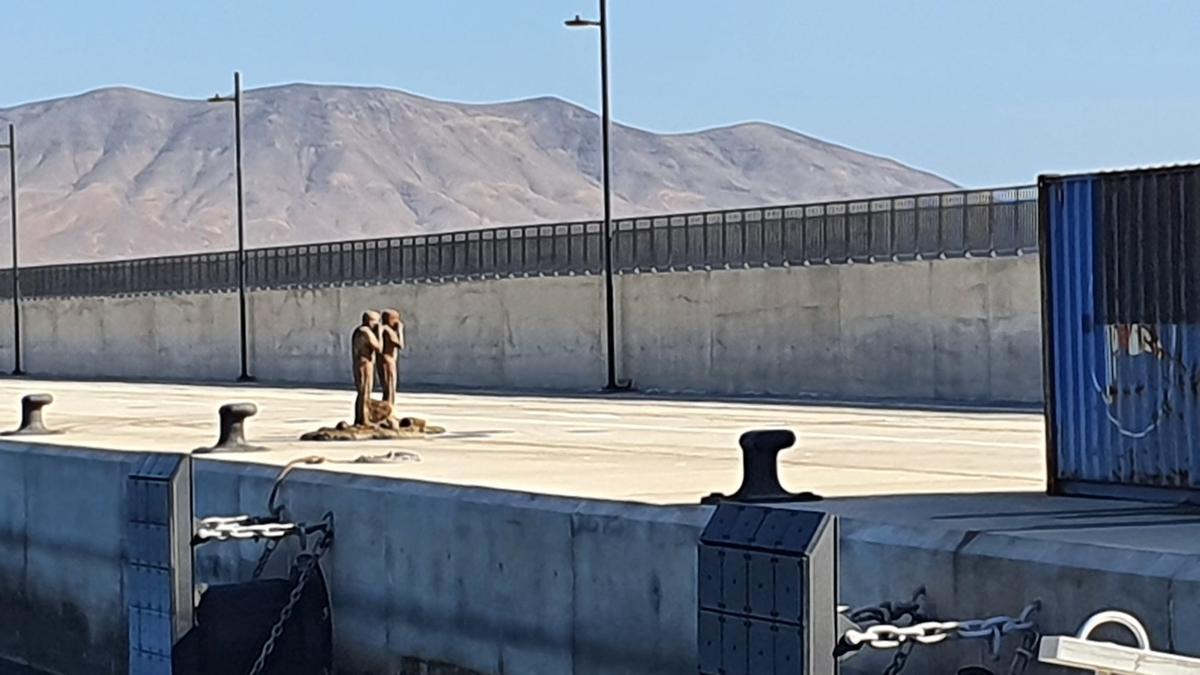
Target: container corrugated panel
x,y
1121,294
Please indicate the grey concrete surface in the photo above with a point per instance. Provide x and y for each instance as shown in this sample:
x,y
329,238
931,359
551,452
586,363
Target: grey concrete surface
x,y
193,336
614,587
517,333
428,568
956,330
61,551
953,330
627,447
989,554
431,566
498,581
488,581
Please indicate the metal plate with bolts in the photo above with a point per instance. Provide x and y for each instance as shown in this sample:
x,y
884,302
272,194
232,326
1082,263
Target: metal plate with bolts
x,y
767,591
158,568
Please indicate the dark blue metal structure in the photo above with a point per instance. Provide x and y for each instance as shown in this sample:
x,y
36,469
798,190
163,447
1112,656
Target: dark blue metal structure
x,y
158,561
768,591
1121,297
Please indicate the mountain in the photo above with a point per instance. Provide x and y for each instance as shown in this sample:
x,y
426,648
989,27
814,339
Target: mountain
x,y
117,172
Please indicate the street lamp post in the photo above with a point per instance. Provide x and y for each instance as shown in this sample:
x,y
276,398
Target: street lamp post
x,y
11,146
605,121
236,99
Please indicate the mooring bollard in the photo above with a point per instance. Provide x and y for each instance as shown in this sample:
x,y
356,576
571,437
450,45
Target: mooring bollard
x,y
31,416
760,470
232,437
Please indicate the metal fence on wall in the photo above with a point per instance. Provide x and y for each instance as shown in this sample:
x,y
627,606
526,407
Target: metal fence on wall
x,y
999,222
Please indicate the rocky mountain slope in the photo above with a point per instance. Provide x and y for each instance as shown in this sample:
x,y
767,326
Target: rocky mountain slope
x,y
118,172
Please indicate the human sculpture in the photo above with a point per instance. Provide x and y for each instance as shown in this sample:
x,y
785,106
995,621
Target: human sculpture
x,y
374,347
391,336
364,347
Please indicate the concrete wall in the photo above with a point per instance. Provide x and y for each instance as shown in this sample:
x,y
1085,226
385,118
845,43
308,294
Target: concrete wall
x,y
488,581
6,336
186,336
957,330
424,578
1075,568
444,580
61,545
521,333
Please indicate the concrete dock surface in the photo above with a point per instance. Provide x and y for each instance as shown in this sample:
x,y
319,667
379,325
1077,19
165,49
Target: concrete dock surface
x,y
626,447
947,499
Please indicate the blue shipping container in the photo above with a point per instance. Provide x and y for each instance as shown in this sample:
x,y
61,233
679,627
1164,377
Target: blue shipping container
x,y
1121,303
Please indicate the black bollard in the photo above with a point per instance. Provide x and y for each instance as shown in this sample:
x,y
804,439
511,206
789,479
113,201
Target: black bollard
x,y
31,416
760,470
232,437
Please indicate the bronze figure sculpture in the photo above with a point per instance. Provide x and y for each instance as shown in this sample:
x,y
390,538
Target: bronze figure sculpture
x,y
374,350
391,336
364,346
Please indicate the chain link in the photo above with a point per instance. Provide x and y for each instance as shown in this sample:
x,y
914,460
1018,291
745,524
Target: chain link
x,y
242,528
891,612
904,638
900,659
996,628
1026,653
888,636
885,636
273,529
265,557
308,562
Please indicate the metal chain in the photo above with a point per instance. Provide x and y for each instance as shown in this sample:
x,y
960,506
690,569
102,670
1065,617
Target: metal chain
x,y
265,557
900,659
885,636
1026,653
995,629
240,528
890,612
307,565
905,638
301,532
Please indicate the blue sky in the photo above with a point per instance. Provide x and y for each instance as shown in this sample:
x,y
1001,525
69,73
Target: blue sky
x,y
984,92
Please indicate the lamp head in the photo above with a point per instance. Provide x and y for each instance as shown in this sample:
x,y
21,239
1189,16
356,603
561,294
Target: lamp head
x,y
580,22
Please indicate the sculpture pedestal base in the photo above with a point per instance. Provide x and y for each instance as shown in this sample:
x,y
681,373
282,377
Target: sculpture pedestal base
x,y
395,429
